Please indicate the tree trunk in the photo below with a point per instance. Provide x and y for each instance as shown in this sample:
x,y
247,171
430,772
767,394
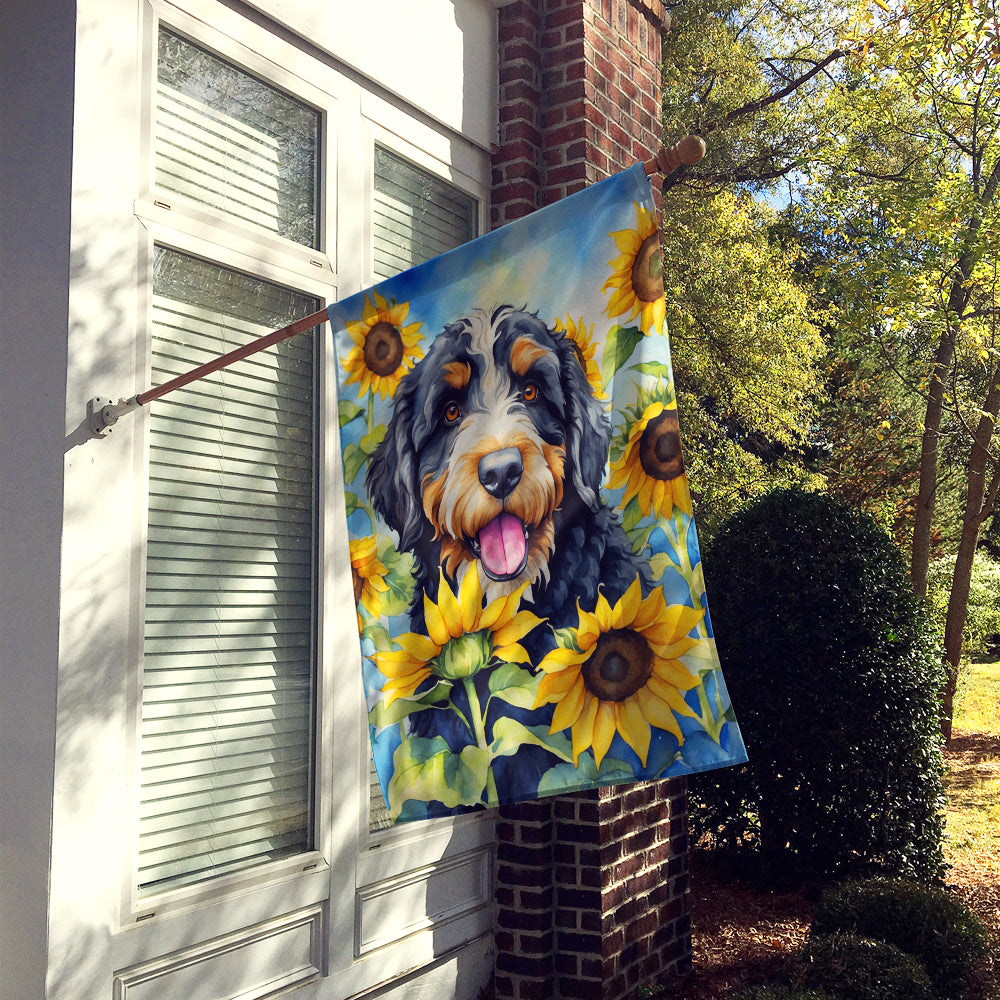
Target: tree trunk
x,y
958,299
920,552
979,500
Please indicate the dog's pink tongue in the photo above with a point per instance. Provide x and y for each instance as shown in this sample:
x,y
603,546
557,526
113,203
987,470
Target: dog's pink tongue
x,y
501,545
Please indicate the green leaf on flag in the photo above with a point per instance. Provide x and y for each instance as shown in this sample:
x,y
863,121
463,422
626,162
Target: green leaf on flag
x,y
426,770
354,461
398,577
381,716
348,411
632,514
514,685
620,346
509,736
566,776
657,368
371,441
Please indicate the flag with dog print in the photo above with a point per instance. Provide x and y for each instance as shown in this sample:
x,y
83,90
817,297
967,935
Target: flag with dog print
x,y
530,599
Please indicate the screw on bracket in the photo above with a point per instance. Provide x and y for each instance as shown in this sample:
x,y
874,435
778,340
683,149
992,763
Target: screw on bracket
x,y
103,413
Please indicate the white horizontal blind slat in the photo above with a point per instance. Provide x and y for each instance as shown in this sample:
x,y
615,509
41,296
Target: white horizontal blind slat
x,y
227,683
415,216
233,142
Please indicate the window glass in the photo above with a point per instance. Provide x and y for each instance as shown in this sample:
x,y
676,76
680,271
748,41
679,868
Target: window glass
x,y
416,215
228,673
228,140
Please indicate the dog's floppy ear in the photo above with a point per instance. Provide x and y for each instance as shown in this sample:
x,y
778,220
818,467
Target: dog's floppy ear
x,y
589,430
392,478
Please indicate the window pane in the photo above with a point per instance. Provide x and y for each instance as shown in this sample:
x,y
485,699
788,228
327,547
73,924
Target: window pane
x,y
228,140
417,215
228,658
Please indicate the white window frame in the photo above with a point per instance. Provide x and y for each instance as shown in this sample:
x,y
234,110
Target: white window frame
x,y
352,873
183,225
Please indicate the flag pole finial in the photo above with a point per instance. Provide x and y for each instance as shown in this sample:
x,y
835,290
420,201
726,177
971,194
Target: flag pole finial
x,y
668,158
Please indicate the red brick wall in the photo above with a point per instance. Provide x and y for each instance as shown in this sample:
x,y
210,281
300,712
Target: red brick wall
x,y
591,889
579,96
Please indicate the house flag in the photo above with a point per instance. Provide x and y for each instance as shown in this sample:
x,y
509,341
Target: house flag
x,y
530,598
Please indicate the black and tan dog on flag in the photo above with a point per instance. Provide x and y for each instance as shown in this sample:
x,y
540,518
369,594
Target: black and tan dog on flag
x,y
492,463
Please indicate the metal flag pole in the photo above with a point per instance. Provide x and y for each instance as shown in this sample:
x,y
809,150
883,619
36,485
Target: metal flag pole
x,y
103,413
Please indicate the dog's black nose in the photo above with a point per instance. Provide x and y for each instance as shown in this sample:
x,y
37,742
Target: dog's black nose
x,y
500,471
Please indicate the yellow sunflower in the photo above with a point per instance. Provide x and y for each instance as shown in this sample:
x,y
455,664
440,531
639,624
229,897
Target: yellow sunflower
x,y
638,274
462,638
587,349
368,573
621,673
652,466
384,349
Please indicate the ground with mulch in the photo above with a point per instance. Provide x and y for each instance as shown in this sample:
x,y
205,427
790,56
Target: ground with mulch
x,y
742,935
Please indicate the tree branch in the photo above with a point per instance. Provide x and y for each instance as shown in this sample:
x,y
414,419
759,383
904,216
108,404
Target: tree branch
x,y
753,107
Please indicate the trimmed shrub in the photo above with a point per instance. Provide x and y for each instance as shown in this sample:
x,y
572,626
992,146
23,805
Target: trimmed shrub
x,y
925,922
834,674
782,993
857,968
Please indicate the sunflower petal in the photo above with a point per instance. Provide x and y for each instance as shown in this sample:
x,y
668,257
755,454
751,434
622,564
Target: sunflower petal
x,y
568,707
604,729
517,628
657,713
435,623
406,690
558,659
553,687
583,728
470,599
627,606
673,697
634,728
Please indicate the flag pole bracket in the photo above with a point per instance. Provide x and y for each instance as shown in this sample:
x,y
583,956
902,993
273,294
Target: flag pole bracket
x,y
103,413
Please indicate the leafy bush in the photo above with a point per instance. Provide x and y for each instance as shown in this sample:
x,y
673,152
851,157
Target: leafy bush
x,y
834,674
782,993
982,619
925,922
856,968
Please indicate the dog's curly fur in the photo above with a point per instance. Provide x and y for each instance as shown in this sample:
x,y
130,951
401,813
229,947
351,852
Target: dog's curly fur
x,y
499,419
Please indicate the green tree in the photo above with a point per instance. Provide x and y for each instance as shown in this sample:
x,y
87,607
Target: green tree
x,y
747,358
912,186
747,352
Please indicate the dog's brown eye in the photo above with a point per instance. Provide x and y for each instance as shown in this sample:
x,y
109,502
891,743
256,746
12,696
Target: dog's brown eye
x,y
531,392
452,412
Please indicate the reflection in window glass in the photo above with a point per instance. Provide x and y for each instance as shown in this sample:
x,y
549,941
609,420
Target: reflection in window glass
x,y
231,141
416,215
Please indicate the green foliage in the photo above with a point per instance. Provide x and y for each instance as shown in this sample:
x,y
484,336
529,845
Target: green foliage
x,y
983,611
782,992
926,922
747,355
833,673
856,968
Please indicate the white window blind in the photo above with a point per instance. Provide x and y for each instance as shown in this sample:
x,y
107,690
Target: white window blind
x,y
228,659
416,216
228,140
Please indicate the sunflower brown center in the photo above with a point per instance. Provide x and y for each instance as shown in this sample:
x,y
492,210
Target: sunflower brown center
x,y
359,585
383,348
660,447
620,664
647,270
